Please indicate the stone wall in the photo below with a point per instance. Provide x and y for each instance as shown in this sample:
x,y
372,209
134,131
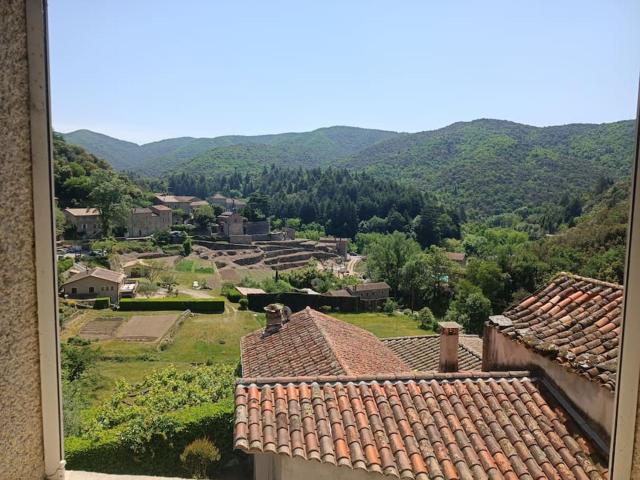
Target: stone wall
x,y
21,455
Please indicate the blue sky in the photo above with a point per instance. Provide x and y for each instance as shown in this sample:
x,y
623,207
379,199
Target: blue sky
x,y
146,70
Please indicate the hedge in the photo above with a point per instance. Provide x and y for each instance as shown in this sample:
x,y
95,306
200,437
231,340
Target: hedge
x,y
102,303
109,455
197,305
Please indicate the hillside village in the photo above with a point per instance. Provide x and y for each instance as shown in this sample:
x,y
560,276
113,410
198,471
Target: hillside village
x,y
394,353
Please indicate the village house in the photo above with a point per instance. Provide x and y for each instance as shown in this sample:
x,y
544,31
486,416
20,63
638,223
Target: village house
x,y
371,294
315,388
232,223
93,283
85,220
146,221
186,203
226,203
457,257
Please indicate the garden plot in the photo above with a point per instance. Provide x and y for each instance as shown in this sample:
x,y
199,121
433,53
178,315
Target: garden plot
x,y
101,328
147,328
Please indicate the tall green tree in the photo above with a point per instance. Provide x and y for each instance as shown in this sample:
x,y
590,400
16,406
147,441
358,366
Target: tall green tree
x,y
110,195
387,256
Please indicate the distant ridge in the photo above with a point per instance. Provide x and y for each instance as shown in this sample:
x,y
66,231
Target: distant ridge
x,y
318,147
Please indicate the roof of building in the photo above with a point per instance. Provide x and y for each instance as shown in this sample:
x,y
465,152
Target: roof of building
x,y
249,291
436,426
97,272
339,293
82,212
139,210
422,352
198,203
456,256
364,287
575,320
312,343
160,207
176,198
218,196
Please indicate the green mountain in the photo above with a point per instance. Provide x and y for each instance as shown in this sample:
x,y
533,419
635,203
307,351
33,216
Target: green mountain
x,y
309,149
493,166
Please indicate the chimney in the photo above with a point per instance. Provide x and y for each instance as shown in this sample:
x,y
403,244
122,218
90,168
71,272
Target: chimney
x,y
449,333
275,318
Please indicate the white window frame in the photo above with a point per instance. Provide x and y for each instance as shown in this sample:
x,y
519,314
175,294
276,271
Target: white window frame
x,y
622,443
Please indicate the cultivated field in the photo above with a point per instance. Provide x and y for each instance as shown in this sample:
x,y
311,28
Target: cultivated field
x,y
101,328
147,328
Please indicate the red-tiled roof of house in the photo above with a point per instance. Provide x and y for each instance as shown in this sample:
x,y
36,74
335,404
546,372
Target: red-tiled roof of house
x,y
438,426
575,320
176,198
456,256
422,352
312,343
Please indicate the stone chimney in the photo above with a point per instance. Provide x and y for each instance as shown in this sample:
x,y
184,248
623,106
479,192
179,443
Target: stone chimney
x,y
449,337
275,318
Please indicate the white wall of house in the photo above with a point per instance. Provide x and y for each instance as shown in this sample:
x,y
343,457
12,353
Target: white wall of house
x,y
282,467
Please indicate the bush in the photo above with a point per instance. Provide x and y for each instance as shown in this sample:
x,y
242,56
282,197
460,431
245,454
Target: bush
x,y
230,291
426,319
102,303
198,455
186,247
197,305
244,304
390,306
109,453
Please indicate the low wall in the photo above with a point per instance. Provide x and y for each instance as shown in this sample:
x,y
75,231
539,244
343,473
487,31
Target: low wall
x,y
223,245
500,353
242,239
299,301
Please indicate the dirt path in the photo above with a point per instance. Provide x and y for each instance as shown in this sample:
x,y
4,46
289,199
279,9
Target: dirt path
x,y
194,293
351,265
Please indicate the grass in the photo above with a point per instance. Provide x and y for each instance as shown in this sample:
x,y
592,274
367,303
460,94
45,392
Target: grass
x,y
202,338
194,266
383,325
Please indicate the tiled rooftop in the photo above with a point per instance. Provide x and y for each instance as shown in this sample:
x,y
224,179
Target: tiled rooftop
x,y
574,319
312,343
422,352
436,426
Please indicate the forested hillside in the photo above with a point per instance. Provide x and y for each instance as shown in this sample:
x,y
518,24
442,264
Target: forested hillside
x,y
338,201
309,149
76,173
494,166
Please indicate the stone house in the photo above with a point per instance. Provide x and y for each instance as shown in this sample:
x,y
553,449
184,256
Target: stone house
x,y
85,220
186,203
232,223
371,294
146,221
93,283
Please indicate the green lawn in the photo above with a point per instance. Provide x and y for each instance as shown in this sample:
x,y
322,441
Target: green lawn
x,y
383,325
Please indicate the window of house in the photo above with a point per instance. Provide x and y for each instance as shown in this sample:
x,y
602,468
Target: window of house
x,y
91,289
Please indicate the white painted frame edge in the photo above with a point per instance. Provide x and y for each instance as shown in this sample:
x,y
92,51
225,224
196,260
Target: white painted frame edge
x,y
628,380
44,231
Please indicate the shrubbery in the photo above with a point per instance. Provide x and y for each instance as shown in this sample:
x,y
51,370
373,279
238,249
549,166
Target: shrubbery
x,y
101,303
230,291
143,428
197,305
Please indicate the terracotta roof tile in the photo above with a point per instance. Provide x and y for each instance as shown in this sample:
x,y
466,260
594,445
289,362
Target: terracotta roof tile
x,y
422,352
313,344
482,425
575,320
